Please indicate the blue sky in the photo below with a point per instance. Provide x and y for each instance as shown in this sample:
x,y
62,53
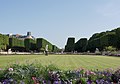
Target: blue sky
x,y
56,20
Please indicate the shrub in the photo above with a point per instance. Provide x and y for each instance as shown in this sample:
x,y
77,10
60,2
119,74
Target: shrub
x,y
70,45
80,45
29,74
55,48
103,39
30,44
41,45
4,42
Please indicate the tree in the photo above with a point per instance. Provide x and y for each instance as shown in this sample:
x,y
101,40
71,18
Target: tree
x,y
80,45
70,45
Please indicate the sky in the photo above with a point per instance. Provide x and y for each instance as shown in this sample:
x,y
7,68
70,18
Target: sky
x,y
56,20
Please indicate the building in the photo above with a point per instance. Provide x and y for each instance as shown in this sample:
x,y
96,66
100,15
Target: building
x,y
22,37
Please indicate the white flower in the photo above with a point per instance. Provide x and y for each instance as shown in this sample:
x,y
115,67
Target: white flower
x,y
10,69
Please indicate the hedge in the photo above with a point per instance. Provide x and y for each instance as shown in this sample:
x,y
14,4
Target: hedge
x,y
41,44
118,37
30,44
55,48
15,42
70,45
4,42
80,45
104,39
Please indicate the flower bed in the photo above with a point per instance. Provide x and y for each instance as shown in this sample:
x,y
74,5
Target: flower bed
x,y
31,74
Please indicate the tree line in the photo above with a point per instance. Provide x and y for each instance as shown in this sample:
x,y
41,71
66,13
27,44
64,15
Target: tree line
x,y
97,40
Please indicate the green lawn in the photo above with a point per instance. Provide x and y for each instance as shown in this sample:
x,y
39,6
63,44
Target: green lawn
x,y
64,62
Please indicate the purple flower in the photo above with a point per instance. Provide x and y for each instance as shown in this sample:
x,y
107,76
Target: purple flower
x,y
56,82
89,82
6,81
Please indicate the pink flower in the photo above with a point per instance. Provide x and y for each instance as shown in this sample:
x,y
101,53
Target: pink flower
x,y
35,80
1,69
92,73
87,72
10,69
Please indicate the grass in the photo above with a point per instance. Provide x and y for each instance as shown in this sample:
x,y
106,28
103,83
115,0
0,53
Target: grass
x,y
64,62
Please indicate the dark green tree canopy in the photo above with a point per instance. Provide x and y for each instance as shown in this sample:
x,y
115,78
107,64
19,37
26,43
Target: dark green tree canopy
x,y
70,45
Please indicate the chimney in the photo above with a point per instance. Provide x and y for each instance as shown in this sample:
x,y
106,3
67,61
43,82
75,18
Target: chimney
x,y
28,33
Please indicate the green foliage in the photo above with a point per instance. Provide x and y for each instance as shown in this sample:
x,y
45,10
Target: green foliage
x,y
32,74
55,48
118,37
80,45
4,42
93,44
98,40
97,35
70,45
103,39
110,48
108,40
30,44
41,44
16,44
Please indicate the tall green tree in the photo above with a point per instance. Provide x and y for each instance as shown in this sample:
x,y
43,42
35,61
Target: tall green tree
x,y
81,45
70,45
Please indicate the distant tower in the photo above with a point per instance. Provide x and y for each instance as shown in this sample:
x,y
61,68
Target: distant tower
x,y
28,33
